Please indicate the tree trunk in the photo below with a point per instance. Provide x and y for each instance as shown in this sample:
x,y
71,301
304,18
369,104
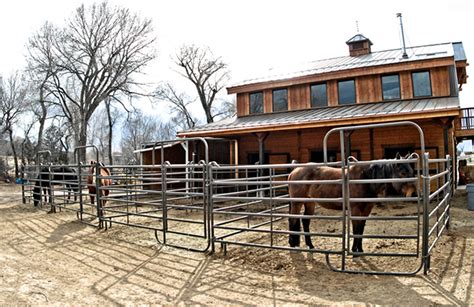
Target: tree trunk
x,y
205,105
15,157
42,120
109,117
82,141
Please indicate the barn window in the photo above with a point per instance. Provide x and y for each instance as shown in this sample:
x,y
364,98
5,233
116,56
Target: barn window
x,y
319,96
391,87
280,100
346,90
421,84
256,103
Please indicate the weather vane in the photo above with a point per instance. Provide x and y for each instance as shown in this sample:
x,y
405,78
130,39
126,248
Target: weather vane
x,y
357,26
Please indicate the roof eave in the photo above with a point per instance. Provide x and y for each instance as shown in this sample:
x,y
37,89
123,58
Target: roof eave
x,y
453,111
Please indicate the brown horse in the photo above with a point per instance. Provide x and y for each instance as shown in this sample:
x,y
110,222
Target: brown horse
x,y
356,190
103,182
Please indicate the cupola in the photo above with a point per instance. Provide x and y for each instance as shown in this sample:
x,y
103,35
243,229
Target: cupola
x,y
359,45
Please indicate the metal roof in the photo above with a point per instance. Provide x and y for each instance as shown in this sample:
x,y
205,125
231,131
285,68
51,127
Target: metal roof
x,y
377,58
459,54
327,114
358,38
155,145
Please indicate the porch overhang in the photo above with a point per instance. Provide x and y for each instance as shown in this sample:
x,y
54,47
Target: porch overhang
x,y
356,114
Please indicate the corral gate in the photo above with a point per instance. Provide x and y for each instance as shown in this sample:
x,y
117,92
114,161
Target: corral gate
x,y
250,208
196,205
169,199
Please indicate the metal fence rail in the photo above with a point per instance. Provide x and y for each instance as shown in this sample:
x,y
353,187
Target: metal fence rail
x,y
437,203
167,199
251,209
198,206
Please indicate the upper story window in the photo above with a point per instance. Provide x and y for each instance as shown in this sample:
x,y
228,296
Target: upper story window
x,y
319,96
256,103
421,83
346,90
391,87
280,100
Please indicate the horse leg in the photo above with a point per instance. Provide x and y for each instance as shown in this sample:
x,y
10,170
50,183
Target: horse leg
x,y
68,188
308,210
359,225
45,193
102,202
53,208
294,224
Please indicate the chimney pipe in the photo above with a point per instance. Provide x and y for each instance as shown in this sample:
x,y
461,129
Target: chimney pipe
x,y
404,55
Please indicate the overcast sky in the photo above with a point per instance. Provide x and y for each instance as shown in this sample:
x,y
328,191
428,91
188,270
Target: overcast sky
x,y
252,36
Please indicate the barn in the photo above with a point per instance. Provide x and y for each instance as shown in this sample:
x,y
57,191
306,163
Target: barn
x,y
283,115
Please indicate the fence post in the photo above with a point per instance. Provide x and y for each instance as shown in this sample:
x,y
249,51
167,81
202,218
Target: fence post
x,y
79,176
97,193
23,197
211,207
449,178
426,202
345,201
163,194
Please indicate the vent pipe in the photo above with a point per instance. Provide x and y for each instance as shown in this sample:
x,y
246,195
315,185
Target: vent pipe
x,y
404,55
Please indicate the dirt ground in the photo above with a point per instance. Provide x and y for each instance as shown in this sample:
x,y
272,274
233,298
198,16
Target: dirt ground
x,y
54,259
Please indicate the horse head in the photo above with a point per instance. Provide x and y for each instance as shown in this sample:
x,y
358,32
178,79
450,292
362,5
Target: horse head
x,y
389,171
403,170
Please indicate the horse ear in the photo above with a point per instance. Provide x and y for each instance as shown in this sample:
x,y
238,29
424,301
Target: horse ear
x,y
374,171
398,156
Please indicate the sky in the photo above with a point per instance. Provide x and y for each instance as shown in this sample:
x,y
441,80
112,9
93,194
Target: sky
x,y
254,35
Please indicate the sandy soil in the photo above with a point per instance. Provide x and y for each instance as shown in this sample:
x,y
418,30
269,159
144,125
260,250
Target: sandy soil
x,y
54,259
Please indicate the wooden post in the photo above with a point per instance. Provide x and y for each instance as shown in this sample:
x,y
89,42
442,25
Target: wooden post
x,y
261,136
347,141
298,145
371,144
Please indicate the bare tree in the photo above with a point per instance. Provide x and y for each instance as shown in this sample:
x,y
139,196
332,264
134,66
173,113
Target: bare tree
x,y
94,56
142,129
207,73
56,140
179,104
228,108
28,152
113,117
13,102
103,124
41,68
98,132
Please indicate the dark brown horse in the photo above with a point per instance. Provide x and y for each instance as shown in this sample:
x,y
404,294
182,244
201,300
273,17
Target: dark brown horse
x,y
356,190
60,175
103,182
